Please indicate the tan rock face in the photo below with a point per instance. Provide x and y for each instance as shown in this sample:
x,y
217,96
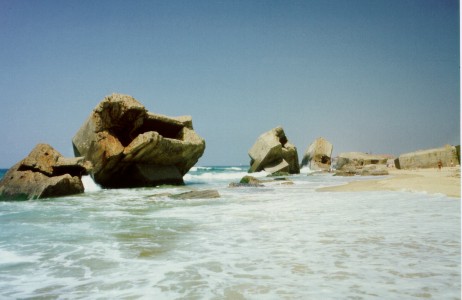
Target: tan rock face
x,y
318,155
429,158
359,163
272,152
44,173
131,147
359,159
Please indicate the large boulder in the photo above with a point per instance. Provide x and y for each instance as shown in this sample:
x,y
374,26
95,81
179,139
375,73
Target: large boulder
x,y
44,173
429,158
358,160
273,153
132,147
359,163
318,155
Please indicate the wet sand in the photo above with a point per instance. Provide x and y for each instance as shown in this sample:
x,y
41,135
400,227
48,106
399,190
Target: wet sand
x,y
445,181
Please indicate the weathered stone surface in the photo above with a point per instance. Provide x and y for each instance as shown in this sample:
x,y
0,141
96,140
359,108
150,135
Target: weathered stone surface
x,y
345,172
373,170
391,163
366,170
429,158
290,155
318,155
272,152
359,159
278,167
131,147
458,153
44,173
358,163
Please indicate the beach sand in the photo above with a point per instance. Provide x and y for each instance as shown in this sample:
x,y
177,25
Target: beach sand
x,y
445,181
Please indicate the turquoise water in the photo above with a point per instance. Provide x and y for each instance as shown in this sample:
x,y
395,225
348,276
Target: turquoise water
x,y
276,242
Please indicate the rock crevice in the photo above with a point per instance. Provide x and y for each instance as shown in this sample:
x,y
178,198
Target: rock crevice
x,y
132,147
44,173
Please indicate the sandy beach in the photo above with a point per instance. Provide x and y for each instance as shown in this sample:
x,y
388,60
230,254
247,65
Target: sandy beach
x,y
445,181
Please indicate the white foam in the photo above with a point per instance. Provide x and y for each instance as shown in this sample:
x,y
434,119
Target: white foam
x,y
211,177
271,242
234,168
195,169
306,170
9,257
89,184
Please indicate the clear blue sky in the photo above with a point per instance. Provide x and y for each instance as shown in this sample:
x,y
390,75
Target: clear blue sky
x,y
378,76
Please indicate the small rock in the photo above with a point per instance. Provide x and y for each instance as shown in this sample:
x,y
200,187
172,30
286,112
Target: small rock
x,y
234,185
250,179
205,194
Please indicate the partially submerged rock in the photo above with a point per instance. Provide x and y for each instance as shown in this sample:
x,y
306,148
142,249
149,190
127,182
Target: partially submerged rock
x,y
318,155
250,179
203,194
239,184
132,147
44,173
273,153
278,174
429,158
247,181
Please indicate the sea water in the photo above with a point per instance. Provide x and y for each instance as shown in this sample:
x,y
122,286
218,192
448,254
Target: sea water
x,y
281,241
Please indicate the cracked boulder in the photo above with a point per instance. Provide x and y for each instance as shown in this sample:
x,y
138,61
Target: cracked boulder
x,y
132,147
44,173
318,155
273,153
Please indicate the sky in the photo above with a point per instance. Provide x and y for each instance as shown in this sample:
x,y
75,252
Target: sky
x,y
376,76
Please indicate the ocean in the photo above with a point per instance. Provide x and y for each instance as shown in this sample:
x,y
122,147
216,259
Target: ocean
x,y
281,241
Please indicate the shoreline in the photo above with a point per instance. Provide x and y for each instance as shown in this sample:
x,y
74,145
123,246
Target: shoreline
x,y
433,181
